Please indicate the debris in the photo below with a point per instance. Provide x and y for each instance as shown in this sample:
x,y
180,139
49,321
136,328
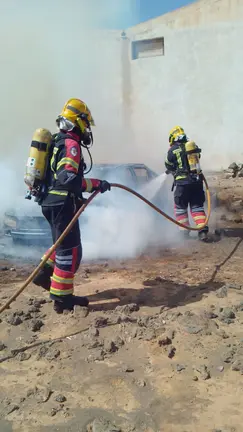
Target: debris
x,y
54,411
41,394
239,307
180,367
2,346
135,332
100,322
143,321
237,218
27,316
195,324
33,309
60,398
36,324
238,365
164,341
93,332
227,356
234,286
14,319
171,334
193,329
149,334
110,346
233,166
118,341
220,368
171,352
4,268
164,309
223,334
81,311
96,355
129,308
228,313
42,352
23,356
11,408
210,315
128,369
92,342
139,382
153,282
204,373
227,316
30,301
31,392
222,292
118,319
52,354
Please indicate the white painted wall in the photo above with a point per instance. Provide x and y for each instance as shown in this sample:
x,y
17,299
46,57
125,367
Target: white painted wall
x,y
198,84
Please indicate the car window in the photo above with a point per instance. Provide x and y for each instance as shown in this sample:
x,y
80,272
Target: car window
x,y
141,174
129,173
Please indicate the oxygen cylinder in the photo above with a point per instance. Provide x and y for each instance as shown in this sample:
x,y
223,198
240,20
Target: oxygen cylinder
x,y
38,157
193,152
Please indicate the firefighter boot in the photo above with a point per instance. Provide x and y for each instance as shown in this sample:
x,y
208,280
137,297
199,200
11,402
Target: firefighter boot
x,y
43,278
68,302
203,235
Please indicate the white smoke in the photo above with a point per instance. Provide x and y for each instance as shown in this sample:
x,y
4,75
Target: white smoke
x,y
120,225
55,50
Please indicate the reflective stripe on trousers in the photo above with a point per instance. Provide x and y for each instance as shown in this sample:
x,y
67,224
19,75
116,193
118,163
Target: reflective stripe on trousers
x,y
66,263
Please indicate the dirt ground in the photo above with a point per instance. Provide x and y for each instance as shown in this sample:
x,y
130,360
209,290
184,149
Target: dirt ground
x,y
161,349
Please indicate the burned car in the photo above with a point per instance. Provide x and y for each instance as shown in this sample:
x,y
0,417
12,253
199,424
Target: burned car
x,y
26,224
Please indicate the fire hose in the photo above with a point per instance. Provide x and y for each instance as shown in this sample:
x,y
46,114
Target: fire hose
x,y
80,211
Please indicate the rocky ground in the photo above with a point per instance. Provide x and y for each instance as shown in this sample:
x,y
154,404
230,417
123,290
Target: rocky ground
x,y
160,349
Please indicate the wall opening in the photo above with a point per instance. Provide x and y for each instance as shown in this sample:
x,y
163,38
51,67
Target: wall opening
x,y
148,48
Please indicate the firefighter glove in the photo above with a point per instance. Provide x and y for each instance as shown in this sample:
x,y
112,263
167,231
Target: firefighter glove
x,y
104,186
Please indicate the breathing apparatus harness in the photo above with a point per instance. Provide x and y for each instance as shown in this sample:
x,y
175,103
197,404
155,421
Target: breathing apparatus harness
x,y
38,170
87,144
190,155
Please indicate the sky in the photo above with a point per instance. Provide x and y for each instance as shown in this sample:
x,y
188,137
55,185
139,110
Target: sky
x,y
137,11
148,9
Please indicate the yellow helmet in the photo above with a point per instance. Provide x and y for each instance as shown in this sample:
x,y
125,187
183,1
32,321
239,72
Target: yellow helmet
x,y
175,133
77,112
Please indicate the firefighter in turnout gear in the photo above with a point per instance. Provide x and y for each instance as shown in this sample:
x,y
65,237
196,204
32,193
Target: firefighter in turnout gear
x,y
183,161
66,184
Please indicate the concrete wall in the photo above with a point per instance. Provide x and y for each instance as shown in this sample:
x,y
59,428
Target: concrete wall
x,y
197,83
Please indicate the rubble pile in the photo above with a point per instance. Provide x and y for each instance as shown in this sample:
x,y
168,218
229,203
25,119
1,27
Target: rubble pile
x,y
234,170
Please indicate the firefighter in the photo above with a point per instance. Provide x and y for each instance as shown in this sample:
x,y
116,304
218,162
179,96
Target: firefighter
x,y
66,185
183,162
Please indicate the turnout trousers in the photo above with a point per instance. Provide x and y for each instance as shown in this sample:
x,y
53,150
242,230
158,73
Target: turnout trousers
x,y
57,276
190,196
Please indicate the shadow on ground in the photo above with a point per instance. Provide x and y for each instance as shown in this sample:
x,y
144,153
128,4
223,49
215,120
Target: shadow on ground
x,y
158,291
155,293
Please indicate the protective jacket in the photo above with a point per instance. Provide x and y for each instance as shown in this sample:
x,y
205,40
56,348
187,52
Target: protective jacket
x,y
66,170
177,164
